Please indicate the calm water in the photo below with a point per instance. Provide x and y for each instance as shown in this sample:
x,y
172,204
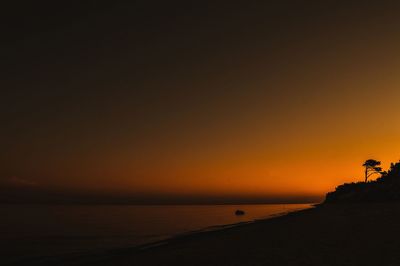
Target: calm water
x,y
48,230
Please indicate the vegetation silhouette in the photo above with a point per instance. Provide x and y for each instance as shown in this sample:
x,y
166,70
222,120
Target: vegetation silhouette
x,y
371,167
384,188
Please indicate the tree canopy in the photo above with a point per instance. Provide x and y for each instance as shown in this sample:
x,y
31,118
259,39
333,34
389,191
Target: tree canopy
x,y
371,167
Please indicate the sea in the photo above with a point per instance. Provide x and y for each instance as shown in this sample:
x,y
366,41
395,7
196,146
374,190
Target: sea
x,y
49,230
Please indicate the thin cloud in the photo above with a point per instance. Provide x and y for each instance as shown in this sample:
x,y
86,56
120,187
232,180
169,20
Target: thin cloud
x,y
18,181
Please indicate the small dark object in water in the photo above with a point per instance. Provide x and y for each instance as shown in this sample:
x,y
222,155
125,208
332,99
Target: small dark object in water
x,y
239,212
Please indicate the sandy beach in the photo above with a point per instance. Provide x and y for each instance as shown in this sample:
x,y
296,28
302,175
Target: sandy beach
x,y
351,234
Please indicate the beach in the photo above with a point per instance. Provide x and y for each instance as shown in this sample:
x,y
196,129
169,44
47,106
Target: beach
x,y
336,234
29,231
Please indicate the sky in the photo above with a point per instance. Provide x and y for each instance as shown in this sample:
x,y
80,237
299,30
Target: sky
x,y
175,101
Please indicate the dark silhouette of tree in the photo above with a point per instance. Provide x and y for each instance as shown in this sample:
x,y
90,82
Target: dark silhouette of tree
x,y
371,167
384,188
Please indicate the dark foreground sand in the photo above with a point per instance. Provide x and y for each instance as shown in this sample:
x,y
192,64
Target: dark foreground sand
x,y
362,234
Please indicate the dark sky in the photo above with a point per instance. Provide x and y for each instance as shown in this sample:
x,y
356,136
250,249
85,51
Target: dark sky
x,y
150,99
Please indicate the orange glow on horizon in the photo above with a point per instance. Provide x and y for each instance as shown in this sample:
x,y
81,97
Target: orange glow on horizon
x,y
241,104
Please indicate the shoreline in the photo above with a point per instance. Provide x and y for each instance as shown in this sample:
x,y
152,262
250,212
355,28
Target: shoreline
x,y
213,228
21,258
330,234
86,257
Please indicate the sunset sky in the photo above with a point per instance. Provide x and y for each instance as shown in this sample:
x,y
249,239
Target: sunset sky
x,y
153,100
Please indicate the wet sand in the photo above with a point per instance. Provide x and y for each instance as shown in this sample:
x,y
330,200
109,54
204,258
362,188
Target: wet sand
x,y
356,234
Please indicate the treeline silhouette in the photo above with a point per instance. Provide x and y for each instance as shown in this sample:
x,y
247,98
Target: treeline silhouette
x,y
384,188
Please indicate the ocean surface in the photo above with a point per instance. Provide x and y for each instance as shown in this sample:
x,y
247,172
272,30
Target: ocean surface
x,y
46,230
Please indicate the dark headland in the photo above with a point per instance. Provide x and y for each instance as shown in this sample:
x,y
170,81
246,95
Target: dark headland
x,y
358,224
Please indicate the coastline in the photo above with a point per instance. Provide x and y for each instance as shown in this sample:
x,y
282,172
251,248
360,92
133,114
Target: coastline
x,y
117,227
332,234
102,257
210,229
